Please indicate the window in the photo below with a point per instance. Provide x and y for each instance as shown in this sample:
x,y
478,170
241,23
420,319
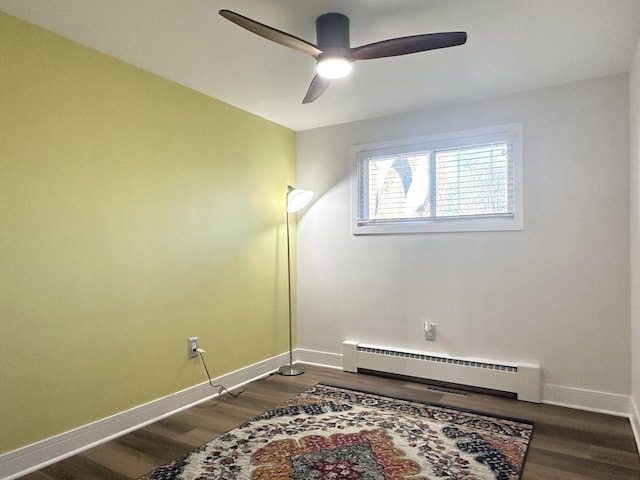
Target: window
x,y
463,181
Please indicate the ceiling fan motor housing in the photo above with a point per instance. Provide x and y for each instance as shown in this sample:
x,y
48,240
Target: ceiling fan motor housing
x,y
332,31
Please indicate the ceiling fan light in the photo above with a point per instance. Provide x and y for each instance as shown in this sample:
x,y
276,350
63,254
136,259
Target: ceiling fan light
x,y
333,67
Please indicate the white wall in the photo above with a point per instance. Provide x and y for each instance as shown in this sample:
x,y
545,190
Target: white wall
x,y
634,83
556,294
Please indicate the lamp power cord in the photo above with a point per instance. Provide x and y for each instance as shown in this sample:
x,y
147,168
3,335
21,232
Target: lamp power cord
x,y
220,387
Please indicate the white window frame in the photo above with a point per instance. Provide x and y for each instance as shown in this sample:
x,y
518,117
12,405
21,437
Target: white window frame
x,y
508,132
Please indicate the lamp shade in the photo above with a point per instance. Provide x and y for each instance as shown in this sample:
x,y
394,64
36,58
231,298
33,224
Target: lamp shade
x,y
297,198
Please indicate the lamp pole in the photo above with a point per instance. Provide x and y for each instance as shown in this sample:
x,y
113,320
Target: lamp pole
x,y
296,199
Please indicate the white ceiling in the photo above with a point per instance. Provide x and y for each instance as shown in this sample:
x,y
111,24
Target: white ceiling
x,y
513,45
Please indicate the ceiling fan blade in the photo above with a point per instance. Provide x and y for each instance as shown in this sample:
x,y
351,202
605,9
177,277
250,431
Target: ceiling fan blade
x,y
271,33
406,45
318,86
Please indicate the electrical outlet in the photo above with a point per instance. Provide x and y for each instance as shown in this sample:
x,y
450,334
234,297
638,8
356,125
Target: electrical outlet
x,y
429,331
192,346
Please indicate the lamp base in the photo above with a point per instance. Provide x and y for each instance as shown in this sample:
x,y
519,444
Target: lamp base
x,y
290,371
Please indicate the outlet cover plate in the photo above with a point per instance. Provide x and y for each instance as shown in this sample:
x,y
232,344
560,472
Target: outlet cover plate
x,y
429,331
192,346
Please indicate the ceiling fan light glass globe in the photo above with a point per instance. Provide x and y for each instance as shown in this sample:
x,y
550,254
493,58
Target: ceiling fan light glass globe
x,y
333,67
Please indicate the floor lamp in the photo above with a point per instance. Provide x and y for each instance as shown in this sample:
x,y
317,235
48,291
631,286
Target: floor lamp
x,y
296,199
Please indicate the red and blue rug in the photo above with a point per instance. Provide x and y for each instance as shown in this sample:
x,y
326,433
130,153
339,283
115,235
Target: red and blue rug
x,y
331,433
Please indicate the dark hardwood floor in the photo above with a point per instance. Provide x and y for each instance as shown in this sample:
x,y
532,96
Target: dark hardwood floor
x,y
566,445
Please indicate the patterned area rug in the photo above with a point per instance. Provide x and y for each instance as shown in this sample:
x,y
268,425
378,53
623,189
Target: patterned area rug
x,y
331,433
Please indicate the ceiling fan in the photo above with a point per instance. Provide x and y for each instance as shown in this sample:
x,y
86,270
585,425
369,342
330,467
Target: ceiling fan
x,y
333,53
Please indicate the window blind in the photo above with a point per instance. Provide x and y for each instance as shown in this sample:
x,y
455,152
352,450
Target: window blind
x,y
472,180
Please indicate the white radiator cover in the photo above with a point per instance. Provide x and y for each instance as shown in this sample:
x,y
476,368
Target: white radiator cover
x,y
522,379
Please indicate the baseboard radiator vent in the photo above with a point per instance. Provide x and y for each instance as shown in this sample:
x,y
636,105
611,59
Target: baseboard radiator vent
x,y
522,379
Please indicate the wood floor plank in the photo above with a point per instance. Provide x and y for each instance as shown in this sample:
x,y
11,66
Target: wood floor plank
x,y
158,446
566,444
613,456
131,463
585,468
78,467
39,475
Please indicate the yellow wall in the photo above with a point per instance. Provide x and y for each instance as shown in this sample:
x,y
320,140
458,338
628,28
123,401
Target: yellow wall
x,y
133,213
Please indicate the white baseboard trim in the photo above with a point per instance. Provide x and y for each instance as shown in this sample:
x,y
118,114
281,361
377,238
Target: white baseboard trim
x,y
634,417
33,457
588,400
322,359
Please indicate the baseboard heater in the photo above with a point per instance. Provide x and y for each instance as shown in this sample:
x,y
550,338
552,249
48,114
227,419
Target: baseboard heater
x,y
522,379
